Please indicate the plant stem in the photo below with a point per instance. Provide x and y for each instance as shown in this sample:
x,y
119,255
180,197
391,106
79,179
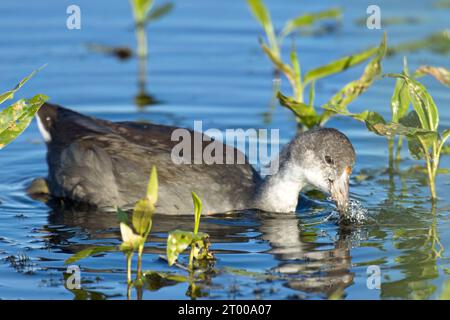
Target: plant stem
x,y
139,262
142,52
129,256
191,259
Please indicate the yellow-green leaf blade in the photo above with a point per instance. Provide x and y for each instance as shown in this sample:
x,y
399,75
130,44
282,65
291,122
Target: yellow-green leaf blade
x,y
17,117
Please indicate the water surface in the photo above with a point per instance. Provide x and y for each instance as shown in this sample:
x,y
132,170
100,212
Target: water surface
x,y
205,64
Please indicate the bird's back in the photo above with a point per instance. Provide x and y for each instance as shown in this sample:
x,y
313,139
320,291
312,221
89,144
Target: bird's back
x,y
107,164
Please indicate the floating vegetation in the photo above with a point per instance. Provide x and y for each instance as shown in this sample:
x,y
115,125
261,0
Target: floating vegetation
x,y
306,113
438,43
132,240
17,117
179,240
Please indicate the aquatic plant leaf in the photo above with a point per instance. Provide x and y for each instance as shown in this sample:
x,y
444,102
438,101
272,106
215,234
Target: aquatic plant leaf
x,y
306,113
131,241
122,216
260,12
159,11
422,102
439,73
142,217
10,94
197,211
445,150
340,65
312,94
280,65
262,15
152,188
400,101
339,102
309,19
140,9
154,281
438,42
17,117
89,252
179,240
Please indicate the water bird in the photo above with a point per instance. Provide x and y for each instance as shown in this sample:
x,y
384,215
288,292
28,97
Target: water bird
x,y
106,164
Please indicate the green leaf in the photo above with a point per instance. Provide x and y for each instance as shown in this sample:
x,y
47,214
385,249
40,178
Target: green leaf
x,y
439,73
17,117
306,113
262,15
309,19
142,217
89,252
122,216
422,102
179,240
197,211
140,9
340,65
339,102
400,101
159,11
10,94
131,241
152,188
286,69
260,12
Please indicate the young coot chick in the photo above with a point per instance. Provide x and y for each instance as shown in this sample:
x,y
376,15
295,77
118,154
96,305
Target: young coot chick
x,y
106,164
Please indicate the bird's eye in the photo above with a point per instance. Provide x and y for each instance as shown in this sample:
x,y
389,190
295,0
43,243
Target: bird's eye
x,y
329,160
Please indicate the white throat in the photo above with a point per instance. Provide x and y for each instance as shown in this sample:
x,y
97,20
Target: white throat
x,y
280,192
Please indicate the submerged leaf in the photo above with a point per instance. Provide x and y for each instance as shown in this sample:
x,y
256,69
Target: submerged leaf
x,y
89,252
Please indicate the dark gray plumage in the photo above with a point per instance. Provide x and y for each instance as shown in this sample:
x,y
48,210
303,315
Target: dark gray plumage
x,y
106,164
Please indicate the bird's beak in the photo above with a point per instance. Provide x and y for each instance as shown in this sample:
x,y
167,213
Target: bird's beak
x,y
339,190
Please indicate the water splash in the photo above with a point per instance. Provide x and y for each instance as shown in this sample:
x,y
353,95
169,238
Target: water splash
x,y
356,212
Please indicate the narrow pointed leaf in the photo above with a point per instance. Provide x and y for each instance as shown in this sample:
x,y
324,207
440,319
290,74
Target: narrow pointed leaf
x,y
197,211
306,113
309,19
10,94
159,11
152,188
339,65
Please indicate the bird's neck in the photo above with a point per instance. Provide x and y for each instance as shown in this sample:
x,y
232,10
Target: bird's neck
x,y
279,192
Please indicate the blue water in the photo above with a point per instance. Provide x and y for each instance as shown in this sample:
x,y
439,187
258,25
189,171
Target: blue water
x,y
205,64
